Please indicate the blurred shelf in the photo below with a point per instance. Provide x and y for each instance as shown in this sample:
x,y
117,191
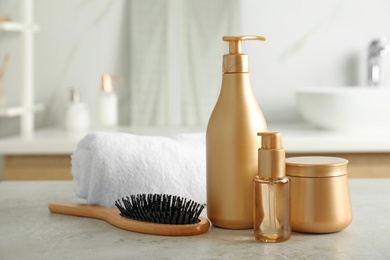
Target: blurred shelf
x,y
17,27
26,29
18,110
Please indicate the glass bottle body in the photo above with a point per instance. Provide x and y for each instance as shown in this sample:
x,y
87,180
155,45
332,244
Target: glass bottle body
x,y
271,211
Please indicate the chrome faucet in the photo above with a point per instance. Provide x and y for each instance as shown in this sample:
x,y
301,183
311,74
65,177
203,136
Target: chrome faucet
x,y
377,49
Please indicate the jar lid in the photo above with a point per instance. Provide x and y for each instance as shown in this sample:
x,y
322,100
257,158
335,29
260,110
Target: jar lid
x,y
316,166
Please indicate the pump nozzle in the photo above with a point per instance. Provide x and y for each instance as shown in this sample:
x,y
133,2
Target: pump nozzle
x,y
236,61
74,95
235,42
271,140
271,155
106,83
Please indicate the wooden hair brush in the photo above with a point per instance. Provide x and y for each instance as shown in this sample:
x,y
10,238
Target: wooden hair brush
x,y
156,214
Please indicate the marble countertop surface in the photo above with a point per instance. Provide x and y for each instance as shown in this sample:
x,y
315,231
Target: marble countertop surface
x,y
297,138
29,231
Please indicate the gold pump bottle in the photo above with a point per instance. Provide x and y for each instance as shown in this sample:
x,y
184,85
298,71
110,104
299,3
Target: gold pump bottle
x,y
232,142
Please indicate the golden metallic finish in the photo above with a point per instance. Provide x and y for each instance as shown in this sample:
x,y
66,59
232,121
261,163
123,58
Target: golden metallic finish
x,y
232,143
320,201
316,166
271,140
271,209
271,156
231,153
236,61
238,39
271,192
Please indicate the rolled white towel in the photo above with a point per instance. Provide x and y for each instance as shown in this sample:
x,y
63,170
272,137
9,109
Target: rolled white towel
x,y
109,166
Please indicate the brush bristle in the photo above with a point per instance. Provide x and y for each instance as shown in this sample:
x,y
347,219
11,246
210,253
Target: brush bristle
x,y
159,208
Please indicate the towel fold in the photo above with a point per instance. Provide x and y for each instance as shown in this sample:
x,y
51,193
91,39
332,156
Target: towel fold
x,y
109,166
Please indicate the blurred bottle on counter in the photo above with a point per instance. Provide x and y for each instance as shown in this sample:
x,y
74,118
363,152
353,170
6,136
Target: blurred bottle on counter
x,y
107,103
77,115
3,68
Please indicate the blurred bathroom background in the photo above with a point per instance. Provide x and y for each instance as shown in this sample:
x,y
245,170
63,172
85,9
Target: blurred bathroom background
x,y
166,56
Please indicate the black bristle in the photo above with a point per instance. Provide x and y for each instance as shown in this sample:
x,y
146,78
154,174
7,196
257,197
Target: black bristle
x,y
156,208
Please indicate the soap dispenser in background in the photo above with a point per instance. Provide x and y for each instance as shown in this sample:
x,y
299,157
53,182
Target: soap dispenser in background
x,y
271,192
232,142
3,69
107,103
77,115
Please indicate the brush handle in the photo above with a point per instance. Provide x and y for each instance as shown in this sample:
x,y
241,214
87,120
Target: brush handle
x,y
111,215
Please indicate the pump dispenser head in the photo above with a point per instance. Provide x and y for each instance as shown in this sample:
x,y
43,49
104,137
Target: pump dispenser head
x,y
107,83
271,156
236,61
74,95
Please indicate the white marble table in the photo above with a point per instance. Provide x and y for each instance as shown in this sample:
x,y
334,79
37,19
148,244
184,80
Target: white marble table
x,y
29,231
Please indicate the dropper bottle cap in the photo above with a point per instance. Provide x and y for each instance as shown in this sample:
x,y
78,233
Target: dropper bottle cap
x,y
236,61
74,95
271,156
107,83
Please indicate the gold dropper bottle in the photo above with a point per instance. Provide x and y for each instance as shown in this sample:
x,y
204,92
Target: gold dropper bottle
x,y
232,143
271,192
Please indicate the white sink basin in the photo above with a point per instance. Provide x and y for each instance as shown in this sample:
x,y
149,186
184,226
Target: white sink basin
x,y
346,108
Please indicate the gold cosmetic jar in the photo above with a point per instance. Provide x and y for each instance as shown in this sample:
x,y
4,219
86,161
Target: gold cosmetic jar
x,y
320,201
